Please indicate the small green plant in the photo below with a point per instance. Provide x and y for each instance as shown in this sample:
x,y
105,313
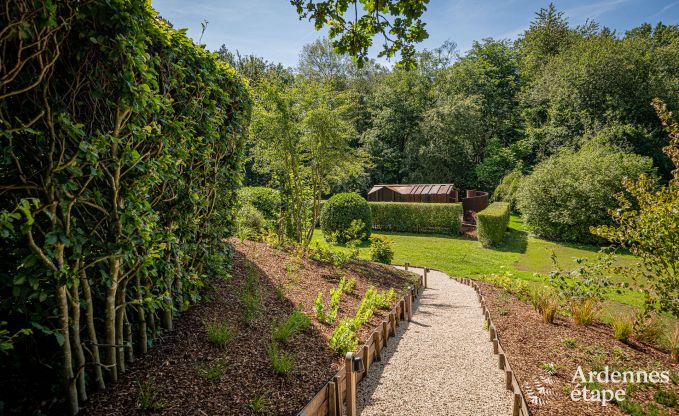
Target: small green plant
x,y
503,311
322,252
622,327
381,249
259,404
295,323
569,342
347,286
343,339
319,309
383,300
212,372
148,396
282,362
550,368
665,397
218,332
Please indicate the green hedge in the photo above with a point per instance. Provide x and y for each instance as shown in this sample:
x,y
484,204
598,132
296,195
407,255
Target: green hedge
x,y
491,223
338,213
416,217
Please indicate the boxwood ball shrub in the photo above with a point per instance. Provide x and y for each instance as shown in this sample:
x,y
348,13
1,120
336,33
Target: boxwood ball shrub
x,y
574,190
340,211
491,223
416,217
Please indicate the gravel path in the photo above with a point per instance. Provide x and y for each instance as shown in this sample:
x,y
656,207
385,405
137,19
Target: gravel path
x,y
441,363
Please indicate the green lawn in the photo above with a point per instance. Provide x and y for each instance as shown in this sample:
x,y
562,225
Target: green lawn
x,y
525,257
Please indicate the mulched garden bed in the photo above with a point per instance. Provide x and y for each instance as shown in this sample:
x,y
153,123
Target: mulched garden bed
x,y
172,374
532,347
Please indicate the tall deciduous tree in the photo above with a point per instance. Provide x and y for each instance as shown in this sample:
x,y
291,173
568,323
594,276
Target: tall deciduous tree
x,y
302,138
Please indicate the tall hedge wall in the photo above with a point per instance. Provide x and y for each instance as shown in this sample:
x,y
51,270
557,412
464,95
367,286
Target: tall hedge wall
x,y
492,222
122,148
416,217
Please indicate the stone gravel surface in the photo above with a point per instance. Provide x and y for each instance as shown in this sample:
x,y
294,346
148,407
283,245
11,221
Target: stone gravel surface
x,y
440,363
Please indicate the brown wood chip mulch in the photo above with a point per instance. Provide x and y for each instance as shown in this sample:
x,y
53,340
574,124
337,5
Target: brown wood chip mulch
x,y
173,371
532,345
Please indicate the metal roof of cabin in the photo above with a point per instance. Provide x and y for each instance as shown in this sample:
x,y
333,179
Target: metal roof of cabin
x,y
417,189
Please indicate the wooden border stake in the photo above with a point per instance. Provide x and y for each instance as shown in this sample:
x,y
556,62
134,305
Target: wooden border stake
x,y
351,384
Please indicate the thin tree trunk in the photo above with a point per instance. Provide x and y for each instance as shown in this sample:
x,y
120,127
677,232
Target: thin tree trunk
x,y
92,332
78,347
120,334
67,363
110,321
129,345
141,316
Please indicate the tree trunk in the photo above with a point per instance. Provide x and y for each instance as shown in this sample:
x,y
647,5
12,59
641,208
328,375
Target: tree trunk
x,y
129,345
78,347
110,321
92,332
67,363
120,334
141,316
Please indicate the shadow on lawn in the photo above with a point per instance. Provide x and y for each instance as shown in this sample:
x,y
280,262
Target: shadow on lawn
x,y
515,242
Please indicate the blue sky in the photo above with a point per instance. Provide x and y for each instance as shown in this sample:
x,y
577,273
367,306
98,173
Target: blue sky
x,y
271,29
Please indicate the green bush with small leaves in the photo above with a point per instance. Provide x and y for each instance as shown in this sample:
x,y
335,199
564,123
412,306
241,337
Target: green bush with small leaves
x,y
339,218
343,339
491,224
381,249
416,217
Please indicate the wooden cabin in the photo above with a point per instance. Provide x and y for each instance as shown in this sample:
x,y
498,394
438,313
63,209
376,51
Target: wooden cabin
x,y
434,193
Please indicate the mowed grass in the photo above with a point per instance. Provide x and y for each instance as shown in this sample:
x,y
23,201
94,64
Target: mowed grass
x,y
525,257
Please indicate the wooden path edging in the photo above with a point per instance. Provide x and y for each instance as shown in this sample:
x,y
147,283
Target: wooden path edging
x,y
332,399
520,406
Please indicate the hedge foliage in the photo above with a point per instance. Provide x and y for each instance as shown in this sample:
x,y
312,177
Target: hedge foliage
x,y
338,214
416,217
492,222
573,190
122,149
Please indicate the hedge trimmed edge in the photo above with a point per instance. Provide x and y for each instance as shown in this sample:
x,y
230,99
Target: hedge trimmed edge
x,y
491,223
416,217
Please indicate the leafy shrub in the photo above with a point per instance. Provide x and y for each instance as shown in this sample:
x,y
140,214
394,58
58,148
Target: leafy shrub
x,y
340,216
323,253
491,223
266,200
571,191
319,308
296,322
381,249
622,327
508,189
347,286
250,222
282,362
383,300
343,339
218,332
416,217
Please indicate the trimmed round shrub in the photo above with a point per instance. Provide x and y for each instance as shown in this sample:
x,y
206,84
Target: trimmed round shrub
x,y
266,200
381,250
573,191
338,214
250,221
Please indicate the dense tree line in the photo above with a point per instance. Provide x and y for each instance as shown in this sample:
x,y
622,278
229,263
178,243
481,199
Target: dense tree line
x,y
473,118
